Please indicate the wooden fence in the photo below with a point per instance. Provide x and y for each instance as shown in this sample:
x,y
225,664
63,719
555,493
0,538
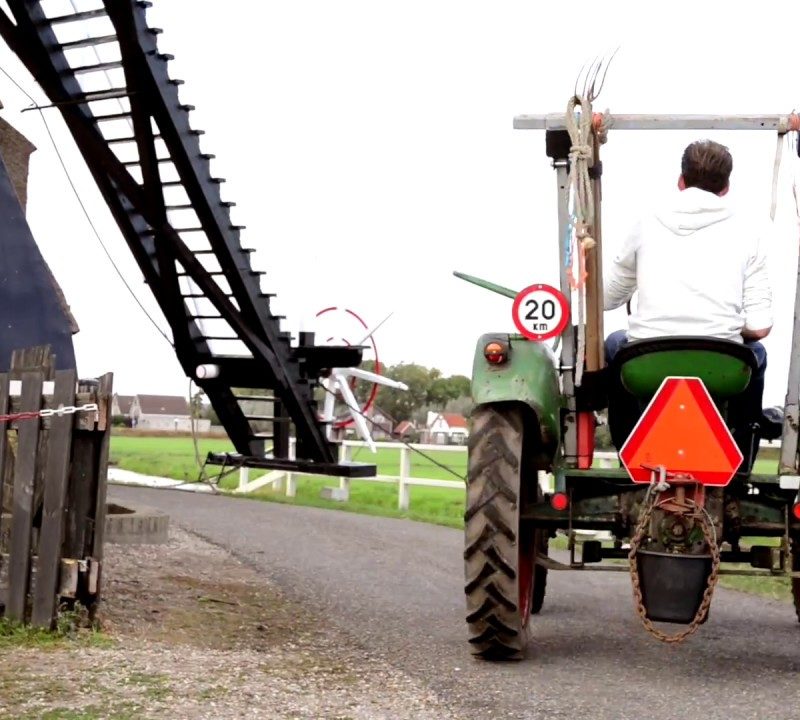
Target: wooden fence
x,y
54,442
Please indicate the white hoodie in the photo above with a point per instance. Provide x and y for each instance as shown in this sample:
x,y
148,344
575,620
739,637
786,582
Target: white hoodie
x,y
699,270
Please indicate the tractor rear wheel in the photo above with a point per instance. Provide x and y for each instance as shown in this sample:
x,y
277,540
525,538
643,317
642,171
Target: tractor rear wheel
x,y
503,585
542,541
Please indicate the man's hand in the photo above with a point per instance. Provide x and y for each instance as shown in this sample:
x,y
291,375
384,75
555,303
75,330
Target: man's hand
x,y
749,335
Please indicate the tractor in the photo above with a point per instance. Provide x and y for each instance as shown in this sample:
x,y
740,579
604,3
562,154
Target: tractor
x,y
684,505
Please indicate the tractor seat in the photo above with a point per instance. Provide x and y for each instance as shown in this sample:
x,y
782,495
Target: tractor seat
x,y
724,366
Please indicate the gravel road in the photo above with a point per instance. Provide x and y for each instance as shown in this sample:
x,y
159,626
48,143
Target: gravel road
x,y
394,587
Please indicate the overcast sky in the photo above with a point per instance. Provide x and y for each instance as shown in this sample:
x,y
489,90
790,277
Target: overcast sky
x,y
351,128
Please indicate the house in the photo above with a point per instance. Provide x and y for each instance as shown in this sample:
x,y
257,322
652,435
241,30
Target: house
x,y
404,430
445,429
164,412
121,405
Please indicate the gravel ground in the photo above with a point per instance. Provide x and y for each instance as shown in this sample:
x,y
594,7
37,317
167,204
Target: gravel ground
x,y
395,588
193,633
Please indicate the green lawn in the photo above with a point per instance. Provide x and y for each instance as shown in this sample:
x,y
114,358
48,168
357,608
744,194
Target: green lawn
x,y
162,456
174,458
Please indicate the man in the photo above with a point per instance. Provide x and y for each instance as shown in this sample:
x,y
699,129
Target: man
x,y
699,270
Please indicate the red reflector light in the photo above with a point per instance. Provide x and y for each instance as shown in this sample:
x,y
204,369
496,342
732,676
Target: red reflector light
x,y
495,353
559,501
796,510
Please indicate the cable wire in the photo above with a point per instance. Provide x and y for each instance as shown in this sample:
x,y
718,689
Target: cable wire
x,y
85,211
401,442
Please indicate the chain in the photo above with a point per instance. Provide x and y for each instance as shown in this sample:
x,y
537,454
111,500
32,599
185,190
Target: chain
x,y
710,535
49,412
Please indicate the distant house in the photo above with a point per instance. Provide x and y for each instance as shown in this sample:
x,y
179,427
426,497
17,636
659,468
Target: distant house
x,y
121,405
445,429
404,430
164,412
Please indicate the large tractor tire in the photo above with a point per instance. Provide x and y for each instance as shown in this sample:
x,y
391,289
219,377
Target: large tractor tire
x,y
503,585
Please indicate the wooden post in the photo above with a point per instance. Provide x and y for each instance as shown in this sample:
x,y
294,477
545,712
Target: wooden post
x,y
595,340
98,519
403,489
4,404
55,493
291,478
22,517
344,456
244,477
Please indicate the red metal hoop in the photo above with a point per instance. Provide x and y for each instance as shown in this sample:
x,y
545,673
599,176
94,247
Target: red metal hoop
x,y
339,423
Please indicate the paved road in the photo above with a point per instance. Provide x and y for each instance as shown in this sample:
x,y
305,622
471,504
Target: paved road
x,y
395,587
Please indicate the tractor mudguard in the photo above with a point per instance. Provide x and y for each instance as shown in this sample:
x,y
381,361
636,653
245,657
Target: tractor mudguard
x,y
527,375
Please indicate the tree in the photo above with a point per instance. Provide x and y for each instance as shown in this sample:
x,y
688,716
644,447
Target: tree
x,y
444,389
196,404
400,404
461,405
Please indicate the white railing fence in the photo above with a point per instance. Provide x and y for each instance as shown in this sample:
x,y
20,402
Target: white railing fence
x,y
404,481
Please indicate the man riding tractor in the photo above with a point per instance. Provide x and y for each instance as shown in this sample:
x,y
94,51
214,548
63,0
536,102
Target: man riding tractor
x,y
700,271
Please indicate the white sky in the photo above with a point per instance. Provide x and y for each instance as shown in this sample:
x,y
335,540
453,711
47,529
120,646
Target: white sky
x,y
349,128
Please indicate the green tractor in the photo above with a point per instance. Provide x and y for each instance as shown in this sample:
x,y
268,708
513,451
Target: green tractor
x,y
682,506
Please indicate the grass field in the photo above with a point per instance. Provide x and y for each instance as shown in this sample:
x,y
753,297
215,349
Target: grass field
x,y
174,457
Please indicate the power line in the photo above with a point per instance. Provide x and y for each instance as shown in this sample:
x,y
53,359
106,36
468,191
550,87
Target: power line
x,y
402,442
85,211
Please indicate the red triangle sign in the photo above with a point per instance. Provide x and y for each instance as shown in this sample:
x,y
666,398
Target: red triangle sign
x,y
682,430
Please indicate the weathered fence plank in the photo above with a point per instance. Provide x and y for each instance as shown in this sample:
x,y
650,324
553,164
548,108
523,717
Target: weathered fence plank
x,y
55,493
21,520
32,359
4,518
54,472
82,483
104,395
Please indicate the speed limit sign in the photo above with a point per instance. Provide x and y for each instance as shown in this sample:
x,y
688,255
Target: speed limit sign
x,y
540,312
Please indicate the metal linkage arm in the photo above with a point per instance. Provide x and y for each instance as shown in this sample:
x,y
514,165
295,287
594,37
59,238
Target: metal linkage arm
x,y
776,123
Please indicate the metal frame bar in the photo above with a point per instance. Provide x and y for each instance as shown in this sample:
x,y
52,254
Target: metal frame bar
x,y
557,121
568,349
789,461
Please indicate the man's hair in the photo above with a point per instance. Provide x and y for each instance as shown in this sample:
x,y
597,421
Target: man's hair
x,y
706,165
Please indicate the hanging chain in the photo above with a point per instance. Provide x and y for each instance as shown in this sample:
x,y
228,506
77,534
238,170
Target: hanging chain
x,y
49,412
651,500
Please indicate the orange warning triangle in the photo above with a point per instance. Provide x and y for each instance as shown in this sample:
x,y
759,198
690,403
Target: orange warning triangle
x,y
682,430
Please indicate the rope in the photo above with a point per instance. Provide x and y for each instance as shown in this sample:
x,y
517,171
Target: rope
x,y
581,156
788,124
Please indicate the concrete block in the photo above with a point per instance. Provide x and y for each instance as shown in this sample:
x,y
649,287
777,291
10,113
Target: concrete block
x,y
335,493
135,525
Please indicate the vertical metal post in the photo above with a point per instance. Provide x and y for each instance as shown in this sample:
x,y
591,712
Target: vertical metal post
x,y
568,336
788,462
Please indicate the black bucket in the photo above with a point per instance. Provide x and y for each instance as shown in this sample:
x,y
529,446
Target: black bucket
x,y
672,585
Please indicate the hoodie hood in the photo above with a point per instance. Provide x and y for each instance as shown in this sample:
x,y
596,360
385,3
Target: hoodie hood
x,y
693,209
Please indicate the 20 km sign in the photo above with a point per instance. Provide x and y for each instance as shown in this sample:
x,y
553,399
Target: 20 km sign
x,y
540,312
